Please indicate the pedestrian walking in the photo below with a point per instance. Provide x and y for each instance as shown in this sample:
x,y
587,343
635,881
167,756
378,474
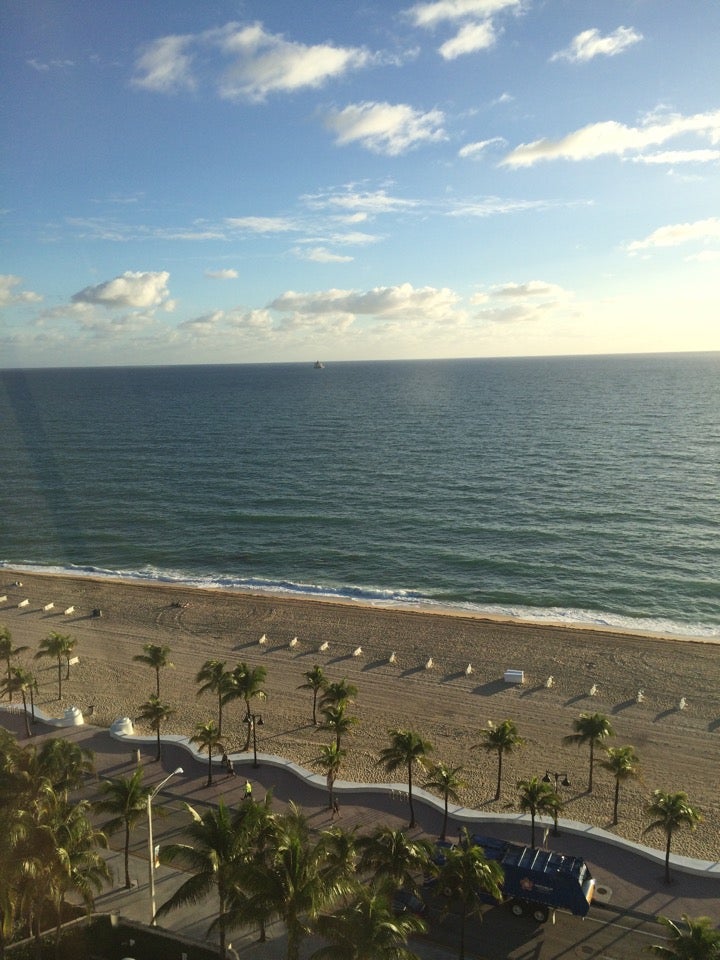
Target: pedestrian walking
x,y
248,790
335,809
230,768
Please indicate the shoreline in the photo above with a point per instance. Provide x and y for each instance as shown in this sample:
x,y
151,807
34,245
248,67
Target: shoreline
x,y
429,607
445,704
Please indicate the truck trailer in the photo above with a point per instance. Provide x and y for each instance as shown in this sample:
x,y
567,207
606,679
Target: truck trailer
x,y
539,881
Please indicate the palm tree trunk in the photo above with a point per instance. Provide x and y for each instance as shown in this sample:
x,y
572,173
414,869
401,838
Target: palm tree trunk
x,y
157,681
617,800
25,714
532,829
128,884
463,914
209,782
410,798
667,856
59,678
445,818
497,791
158,744
592,761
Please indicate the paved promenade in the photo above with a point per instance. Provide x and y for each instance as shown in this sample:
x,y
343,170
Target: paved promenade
x,y
629,883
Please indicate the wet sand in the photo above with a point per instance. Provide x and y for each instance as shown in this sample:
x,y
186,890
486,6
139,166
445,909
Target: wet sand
x,y
678,749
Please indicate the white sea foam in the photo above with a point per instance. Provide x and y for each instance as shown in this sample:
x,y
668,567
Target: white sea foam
x,y
394,599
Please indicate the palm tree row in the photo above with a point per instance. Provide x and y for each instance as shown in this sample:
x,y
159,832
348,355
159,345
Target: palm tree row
x,y
59,646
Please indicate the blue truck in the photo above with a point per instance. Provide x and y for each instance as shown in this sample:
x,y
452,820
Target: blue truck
x,y
539,881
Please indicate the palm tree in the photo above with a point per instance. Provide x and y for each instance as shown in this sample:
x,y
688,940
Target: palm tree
x,y
248,686
126,798
76,866
338,720
65,764
501,739
695,939
393,858
20,681
329,760
156,657
622,764
448,783
406,749
316,681
671,811
467,878
207,737
154,713
367,929
214,678
591,728
294,884
340,693
60,646
536,797
217,841
8,651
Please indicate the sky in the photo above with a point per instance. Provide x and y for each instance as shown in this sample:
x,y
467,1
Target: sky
x,y
236,181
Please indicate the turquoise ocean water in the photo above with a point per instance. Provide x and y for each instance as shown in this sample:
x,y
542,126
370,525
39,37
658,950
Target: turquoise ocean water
x,y
573,489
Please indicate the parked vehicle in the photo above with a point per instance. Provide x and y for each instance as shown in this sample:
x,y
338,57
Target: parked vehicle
x,y
538,881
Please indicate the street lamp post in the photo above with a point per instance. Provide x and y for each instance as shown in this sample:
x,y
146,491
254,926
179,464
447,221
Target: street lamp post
x,y
151,848
254,719
563,783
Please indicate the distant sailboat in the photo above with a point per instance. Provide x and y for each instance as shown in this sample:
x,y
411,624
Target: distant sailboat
x,y
319,365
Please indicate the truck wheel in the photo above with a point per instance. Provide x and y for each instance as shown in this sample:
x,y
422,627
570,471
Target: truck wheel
x,y
517,908
540,914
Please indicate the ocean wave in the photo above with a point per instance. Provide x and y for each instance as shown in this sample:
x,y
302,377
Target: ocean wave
x,y
376,596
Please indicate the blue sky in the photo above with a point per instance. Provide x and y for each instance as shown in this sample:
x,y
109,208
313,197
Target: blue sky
x,y
286,180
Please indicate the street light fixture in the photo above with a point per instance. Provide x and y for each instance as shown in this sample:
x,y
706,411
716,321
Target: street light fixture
x,y
254,719
151,849
563,783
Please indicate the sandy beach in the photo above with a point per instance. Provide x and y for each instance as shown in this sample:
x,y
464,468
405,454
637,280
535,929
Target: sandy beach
x,y
678,749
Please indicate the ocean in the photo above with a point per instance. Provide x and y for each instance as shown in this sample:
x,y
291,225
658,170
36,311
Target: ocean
x,y
580,490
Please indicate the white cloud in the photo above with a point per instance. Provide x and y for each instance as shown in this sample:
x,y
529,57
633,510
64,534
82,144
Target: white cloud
x,y
530,288
612,138
526,302
266,63
385,128
245,62
321,255
470,38
677,233
364,202
590,43
140,290
402,301
261,224
8,294
472,150
164,66
494,206
44,67
227,274
438,11
678,156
